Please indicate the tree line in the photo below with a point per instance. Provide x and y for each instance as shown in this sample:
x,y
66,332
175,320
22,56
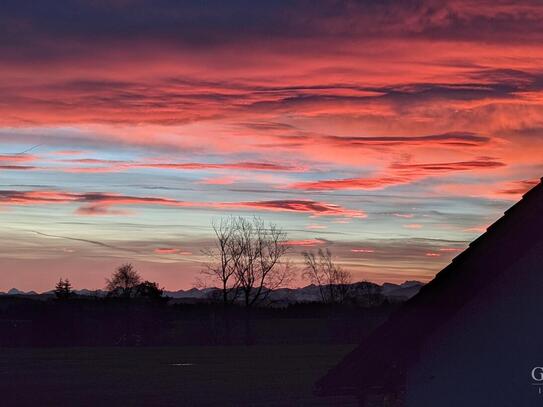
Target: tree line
x,y
249,260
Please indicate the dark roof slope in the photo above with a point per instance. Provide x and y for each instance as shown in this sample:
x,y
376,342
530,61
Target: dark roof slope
x,y
382,359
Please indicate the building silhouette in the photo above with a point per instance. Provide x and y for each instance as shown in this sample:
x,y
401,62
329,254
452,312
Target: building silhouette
x,y
473,336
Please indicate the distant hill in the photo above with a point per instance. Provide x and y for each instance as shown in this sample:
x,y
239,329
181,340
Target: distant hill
x,y
405,290
310,293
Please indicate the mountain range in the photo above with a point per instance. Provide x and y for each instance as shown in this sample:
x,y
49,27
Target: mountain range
x,y
310,293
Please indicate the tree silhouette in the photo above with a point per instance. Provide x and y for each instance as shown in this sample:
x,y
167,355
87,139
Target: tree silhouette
x,y
149,290
63,289
221,265
332,281
259,250
249,259
124,281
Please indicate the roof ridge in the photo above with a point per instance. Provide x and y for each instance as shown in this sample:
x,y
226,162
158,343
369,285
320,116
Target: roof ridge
x,y
488,233
490,229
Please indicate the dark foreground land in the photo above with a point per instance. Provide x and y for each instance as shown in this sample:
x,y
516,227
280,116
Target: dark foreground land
x,y
144,352
263,375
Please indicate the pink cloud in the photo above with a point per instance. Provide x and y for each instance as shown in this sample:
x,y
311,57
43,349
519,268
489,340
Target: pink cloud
x,y
68,152
87,170
251,166
518,187
362,250
171,250
98,210
17,158
478,229
307,242
351,183
228,180
404,215
400,174
105,166
413,226
97,203
316,227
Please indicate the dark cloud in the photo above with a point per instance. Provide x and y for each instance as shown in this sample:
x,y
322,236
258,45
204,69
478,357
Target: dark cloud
x,y
139,17
464,139
317,208
519,187
452,166
17,167
49,29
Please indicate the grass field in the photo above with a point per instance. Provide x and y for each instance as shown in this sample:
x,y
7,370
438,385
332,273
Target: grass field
x,y
184,376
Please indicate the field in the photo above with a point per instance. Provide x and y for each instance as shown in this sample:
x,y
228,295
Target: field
x,y
277,375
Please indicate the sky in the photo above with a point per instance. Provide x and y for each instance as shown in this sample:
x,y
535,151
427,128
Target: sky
x,y
391,132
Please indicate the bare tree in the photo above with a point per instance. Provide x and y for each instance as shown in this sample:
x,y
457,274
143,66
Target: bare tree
x,y
221,265
259,263
249,259
333,282
124,281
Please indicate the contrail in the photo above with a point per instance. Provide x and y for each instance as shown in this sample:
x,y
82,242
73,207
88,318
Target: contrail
x,y
30,149
108,246
95,242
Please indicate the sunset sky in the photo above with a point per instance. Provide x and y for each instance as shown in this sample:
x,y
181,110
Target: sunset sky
x,y
392,132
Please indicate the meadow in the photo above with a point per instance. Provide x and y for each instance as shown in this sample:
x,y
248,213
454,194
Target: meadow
x,y
267,375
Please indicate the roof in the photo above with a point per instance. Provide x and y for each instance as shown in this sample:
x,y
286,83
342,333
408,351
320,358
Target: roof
x,y
384,356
